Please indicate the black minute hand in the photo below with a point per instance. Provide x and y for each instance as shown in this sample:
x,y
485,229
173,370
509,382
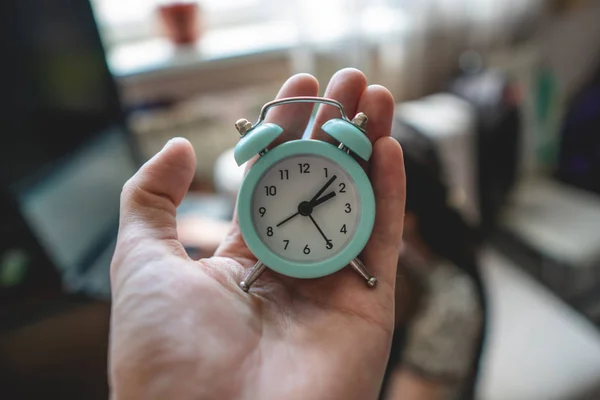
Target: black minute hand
x,y
324,188
319,228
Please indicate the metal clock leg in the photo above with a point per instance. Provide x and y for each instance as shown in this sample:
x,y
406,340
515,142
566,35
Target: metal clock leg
x,y
359,267
252,276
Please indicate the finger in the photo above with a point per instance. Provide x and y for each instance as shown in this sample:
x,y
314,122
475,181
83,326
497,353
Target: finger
x,y
150,198
389,184
378,104
346,86
293,118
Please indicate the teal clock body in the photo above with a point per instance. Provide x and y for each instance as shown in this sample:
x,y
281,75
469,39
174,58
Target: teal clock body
x,y
248,206
306,208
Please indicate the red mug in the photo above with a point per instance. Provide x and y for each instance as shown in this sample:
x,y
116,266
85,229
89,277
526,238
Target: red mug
x,y
180,21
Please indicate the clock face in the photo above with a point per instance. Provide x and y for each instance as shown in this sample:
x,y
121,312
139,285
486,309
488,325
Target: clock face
x,y
306,208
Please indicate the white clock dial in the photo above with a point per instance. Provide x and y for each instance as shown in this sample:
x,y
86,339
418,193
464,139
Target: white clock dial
x,y
296,221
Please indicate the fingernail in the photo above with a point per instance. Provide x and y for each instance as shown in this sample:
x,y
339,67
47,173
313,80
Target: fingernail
x,y
169,142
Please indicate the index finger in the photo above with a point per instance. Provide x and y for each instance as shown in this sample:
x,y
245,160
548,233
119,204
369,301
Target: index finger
x,y
346,86
293,118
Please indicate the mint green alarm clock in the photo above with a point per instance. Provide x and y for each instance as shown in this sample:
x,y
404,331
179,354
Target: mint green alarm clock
x,y
306,207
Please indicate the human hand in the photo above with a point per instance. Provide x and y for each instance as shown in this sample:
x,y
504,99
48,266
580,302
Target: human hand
x,y
183,329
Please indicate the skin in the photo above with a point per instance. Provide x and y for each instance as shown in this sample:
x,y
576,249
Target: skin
x,y
407,385
182,329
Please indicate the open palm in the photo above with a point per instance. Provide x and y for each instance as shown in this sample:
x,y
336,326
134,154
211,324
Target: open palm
x,y
183,329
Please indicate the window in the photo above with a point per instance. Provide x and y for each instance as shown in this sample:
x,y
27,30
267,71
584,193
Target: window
x,y
122,21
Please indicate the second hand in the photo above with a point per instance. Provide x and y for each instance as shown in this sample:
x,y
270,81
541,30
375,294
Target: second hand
x,y
287,219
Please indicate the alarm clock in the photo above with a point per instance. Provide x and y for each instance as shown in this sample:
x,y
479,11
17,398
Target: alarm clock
x,y
306,207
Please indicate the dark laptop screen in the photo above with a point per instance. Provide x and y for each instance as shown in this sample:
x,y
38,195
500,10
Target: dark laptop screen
x,y
57,91
74,209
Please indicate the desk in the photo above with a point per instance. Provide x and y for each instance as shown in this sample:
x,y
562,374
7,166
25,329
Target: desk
x,y
156,70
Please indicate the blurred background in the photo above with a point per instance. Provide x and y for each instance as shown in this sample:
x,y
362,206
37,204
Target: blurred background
x,y
508,91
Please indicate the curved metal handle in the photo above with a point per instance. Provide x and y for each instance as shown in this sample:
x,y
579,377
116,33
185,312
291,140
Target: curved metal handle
x,y
300,99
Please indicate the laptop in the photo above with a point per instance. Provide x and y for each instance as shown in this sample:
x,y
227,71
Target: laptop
x,y
65,151
73,211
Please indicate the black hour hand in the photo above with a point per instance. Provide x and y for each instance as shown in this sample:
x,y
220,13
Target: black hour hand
x,y
324,199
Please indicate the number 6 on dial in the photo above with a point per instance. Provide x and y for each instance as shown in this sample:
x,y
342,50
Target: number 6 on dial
x,y
306,208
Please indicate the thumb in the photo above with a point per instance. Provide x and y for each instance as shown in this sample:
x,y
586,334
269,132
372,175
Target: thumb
x,y
150,198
